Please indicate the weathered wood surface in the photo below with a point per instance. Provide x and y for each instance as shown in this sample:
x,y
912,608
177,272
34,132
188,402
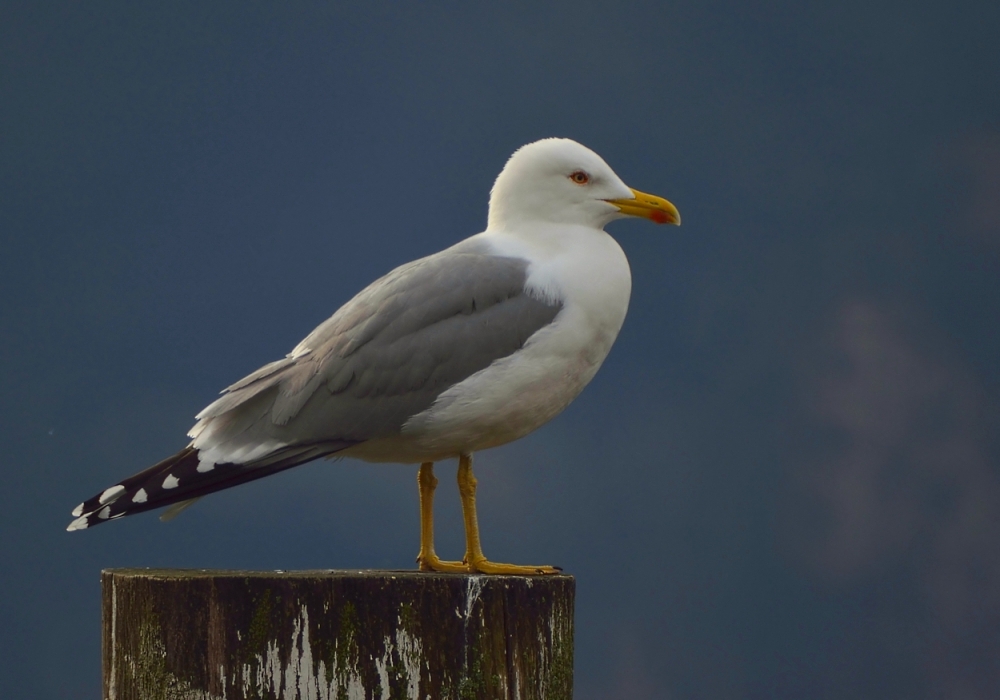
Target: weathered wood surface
x,y
342,635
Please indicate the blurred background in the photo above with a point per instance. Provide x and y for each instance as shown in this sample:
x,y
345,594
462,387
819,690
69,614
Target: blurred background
x,y
784,483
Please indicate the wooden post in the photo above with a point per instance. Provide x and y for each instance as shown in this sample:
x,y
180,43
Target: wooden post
x,y
337,635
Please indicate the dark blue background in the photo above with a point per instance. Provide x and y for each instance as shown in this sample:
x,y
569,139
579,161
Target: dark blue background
x,y
783,483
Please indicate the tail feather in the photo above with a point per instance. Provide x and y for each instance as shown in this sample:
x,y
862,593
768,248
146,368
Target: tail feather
x,y
183,478
176,509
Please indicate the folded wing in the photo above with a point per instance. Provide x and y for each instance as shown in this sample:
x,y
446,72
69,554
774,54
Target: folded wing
x,y
385,356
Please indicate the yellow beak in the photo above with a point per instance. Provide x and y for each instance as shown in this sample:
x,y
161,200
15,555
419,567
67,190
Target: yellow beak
x,y
648,206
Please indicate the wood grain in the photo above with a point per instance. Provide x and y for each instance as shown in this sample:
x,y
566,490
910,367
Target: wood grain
x,y
343,635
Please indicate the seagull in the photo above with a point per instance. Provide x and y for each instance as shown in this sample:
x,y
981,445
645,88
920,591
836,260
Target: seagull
x,y
470,348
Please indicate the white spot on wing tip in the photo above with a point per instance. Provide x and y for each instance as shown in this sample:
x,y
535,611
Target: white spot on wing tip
x,y
111,495
78,524
140,496
170,482
78,511
205,465
104,512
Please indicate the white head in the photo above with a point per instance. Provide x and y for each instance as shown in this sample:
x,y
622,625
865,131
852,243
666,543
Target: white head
x,y
560,181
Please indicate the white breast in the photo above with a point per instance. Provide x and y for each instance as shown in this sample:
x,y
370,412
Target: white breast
x,y
585,270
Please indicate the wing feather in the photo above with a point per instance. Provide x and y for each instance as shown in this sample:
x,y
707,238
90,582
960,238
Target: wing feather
x,y
385,356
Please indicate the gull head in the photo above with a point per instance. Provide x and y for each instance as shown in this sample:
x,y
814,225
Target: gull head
x,y
559,181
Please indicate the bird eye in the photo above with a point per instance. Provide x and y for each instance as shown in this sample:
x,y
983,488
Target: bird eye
x,y
580,177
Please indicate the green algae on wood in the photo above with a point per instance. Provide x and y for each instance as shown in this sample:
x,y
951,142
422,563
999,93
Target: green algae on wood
x,y
337,635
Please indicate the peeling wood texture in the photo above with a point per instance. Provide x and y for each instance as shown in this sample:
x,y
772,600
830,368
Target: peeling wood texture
x,y
338,635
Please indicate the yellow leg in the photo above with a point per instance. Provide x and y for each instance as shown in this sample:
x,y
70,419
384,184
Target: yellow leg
x,y
474,558
427,559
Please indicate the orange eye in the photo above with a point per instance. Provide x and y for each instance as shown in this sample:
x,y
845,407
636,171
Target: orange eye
x,y
580,177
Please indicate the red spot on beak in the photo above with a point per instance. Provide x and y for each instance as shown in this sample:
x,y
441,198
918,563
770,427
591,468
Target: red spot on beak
x,y
659,217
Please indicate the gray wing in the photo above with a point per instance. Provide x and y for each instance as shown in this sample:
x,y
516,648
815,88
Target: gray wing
x,y
383,357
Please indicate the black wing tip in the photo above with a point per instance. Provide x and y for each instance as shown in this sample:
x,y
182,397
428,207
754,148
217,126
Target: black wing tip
x,y
182,478
95,518
125,498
